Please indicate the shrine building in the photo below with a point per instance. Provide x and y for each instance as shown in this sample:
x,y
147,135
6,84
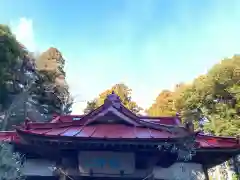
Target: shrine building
x,y
113,143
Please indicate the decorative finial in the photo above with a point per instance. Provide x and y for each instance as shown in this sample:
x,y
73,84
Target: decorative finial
x,y
190,126
238,139
113,99
26,123
178,118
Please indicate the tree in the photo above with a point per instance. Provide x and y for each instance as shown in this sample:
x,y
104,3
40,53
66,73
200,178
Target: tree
x,y
91,105
51,98
66,100
28,91
211,101
10,52
51,92
164,105
168,103
10,163
123,91
216,94
15,65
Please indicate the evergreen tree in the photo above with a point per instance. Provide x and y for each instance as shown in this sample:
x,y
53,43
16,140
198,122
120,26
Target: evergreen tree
x,y
28,91
10,163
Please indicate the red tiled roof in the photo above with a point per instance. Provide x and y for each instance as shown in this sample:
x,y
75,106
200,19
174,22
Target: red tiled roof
x,y
126,126
113,102
206,141
122,132
111,131
159,120
162,120
9,136
66,118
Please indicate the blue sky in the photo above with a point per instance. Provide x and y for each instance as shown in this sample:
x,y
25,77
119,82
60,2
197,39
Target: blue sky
x,y
148,44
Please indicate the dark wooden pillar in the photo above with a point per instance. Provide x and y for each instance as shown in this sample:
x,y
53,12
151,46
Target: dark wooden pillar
x,y
205,170
63,177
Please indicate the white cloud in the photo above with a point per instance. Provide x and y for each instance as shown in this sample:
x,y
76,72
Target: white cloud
x,y
23,29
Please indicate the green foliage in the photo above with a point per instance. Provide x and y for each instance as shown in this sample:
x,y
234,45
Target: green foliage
x,y
235,177
123,91
26,90
48,93
10,163
9,48
164,105
216,93
49,97
10,52
91,105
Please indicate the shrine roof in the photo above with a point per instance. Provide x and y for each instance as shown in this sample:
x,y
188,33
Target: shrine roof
x,y
113,121
113,105
114,131
171,120
211,142
7,136
104,131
